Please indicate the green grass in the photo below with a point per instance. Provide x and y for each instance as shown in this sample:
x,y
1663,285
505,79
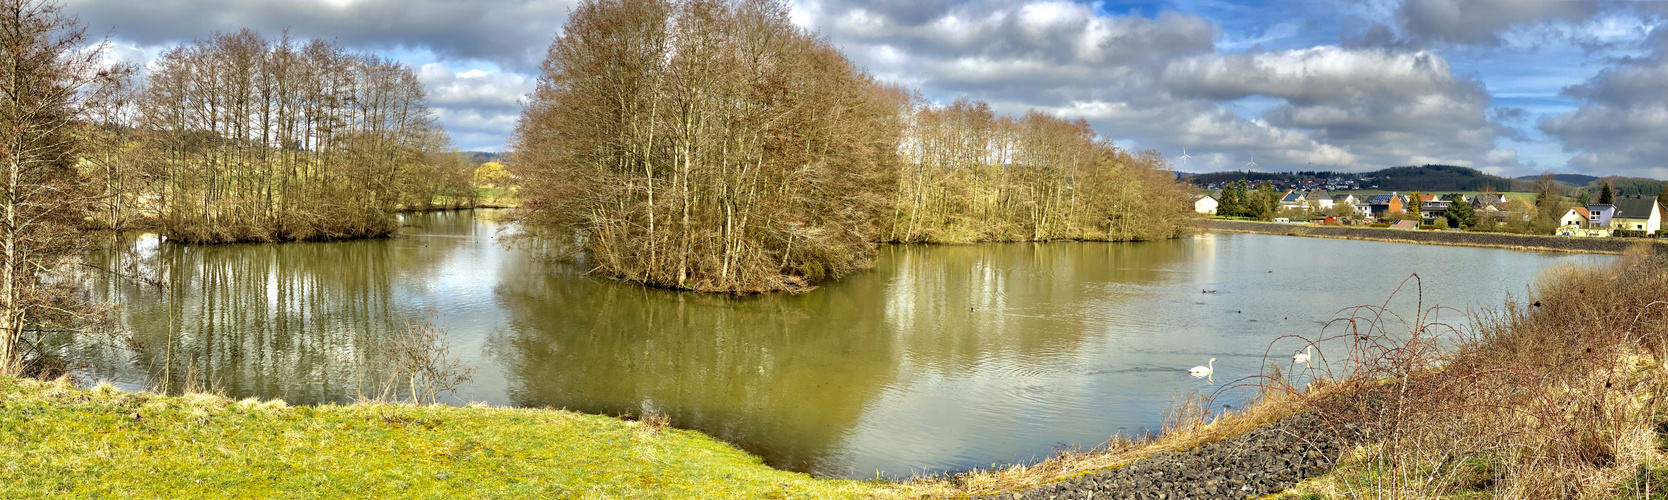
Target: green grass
x,y
499,196
60,442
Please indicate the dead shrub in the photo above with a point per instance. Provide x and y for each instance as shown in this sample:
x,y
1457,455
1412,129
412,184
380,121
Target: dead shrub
x,y
417,365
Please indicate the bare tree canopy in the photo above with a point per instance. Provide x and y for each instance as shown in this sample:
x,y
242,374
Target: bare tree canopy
x,y
707,145
969,175
50,85
251,139
713,145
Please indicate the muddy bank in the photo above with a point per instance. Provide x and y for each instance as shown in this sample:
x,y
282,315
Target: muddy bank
x,y
1454,238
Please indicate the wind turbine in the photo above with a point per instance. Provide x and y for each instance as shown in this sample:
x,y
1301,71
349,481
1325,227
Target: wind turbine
x,y
1184,156
1253,163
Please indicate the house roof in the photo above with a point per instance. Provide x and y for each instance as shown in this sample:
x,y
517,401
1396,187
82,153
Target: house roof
x,y
1489,199
1596,208
1405,224
1582,211
1379,199
1292,196
1342,198
1198,197
1635,207
1427,197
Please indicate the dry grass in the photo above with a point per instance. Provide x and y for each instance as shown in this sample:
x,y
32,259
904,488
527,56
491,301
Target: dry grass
x,y
1561,396
1564,395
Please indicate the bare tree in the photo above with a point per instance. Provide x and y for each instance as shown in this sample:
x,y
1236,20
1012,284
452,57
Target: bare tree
x,y
258,139
707,145
48,84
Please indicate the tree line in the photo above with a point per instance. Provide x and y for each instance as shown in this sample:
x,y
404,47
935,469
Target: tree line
x,y
713,145
244,138
234,138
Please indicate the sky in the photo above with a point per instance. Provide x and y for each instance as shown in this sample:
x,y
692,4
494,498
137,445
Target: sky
x,y
1510,87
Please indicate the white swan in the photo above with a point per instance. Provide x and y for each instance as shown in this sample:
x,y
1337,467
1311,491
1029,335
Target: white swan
x,y
1303,357
1200,371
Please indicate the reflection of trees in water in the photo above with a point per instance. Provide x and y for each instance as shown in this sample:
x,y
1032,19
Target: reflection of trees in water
x,y
782,376
957,306
788,376
301,321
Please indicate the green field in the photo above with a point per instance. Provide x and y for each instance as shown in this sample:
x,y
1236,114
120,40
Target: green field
x,y
57,441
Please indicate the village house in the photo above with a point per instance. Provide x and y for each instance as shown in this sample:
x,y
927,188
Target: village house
x,y
1385,204
1363,209
1318,199
1205,204
1577,218
1637,213
1484,200
1432,208
1293,200
1598,216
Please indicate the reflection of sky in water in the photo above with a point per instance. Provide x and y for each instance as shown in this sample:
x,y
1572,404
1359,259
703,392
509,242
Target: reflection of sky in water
x,y
1139,337
941,358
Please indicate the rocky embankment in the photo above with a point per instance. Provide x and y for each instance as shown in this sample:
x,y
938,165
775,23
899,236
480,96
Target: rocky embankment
x,y
1264,461
1456,238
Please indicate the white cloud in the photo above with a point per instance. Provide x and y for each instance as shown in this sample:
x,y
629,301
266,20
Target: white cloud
x,y
1622,127
479,108
1161,82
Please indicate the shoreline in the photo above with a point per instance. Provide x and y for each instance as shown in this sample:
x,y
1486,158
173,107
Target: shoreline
x,y
1505,241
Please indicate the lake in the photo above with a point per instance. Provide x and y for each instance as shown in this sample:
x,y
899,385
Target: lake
x,y
941,358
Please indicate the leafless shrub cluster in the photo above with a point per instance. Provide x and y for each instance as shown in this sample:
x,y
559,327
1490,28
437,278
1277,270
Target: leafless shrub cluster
x,y
243,138
968,175
416,365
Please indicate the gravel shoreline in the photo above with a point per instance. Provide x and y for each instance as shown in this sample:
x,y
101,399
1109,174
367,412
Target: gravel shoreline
x,y
1267,460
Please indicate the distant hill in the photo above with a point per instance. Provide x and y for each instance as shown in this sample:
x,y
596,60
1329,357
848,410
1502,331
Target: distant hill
x,y
1625,186
1442,178
479,157
1421,178
1215,177
1571,179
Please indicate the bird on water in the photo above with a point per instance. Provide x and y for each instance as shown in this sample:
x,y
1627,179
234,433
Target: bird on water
x,y
1200,371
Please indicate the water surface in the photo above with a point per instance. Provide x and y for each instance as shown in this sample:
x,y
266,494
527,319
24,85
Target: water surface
x,y
940,358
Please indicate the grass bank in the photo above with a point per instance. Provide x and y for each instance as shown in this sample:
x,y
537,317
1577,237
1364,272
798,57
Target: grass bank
x,y
1451,238
57,441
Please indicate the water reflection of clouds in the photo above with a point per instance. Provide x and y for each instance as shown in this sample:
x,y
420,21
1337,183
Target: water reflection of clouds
x,y
940,358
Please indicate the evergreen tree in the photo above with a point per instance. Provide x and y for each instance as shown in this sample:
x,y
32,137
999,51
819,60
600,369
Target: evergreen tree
x,y
1228,206
1607,196
1662,197
1460,215
1584,199
1266,202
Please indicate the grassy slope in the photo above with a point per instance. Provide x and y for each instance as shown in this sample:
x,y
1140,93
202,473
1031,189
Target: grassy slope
x,y
57,441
